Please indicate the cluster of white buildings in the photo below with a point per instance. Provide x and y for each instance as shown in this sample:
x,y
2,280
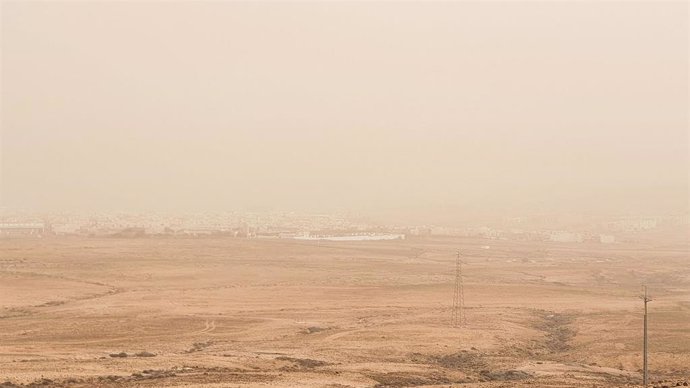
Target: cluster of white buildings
x,y
337,227
233,224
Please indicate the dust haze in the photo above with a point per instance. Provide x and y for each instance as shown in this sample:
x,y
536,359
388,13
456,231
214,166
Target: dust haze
x,y
344,193
420,107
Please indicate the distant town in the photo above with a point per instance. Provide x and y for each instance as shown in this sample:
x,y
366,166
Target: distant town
x,y
335,227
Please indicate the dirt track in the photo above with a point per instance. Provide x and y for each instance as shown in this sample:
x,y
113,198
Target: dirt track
x,y
235,312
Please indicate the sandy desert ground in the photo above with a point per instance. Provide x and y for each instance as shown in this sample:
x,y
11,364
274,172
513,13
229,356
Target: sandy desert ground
x,y
224,312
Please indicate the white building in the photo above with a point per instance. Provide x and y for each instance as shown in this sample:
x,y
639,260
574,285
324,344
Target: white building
x,y
564,236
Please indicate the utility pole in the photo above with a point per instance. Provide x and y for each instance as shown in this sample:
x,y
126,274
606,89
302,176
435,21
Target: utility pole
x,y
645,374
458,312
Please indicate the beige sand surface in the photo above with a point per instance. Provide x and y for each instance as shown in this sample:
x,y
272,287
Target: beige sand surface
x,y
224,312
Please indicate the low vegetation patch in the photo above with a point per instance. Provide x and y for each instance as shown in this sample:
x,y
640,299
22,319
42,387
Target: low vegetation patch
x,y
462,360
302,363
410,379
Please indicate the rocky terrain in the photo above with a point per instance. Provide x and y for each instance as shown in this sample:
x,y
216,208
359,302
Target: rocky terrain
x,y
224,312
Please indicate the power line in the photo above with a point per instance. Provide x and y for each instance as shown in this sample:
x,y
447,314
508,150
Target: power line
x,y
645,374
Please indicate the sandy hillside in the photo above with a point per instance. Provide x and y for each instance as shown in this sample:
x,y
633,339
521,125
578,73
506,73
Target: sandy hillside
x,y
223,312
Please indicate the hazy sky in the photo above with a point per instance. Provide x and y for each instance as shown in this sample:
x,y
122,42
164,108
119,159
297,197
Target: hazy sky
x,y
409,106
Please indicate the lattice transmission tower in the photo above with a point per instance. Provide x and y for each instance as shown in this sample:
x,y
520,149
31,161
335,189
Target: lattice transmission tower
x,y
458,313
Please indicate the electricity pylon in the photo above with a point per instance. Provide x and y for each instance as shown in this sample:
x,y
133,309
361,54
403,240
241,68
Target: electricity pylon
x,y
458,313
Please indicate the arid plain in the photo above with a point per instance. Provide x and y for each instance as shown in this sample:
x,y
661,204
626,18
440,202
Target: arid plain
x,y
228,312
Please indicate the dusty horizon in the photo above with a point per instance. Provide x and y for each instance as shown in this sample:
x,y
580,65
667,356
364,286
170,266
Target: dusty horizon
x,y
434,109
